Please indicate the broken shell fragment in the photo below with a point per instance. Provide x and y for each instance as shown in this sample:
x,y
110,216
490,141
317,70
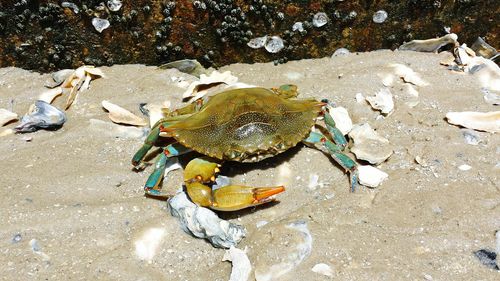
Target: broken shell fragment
x,y
483,49
43,116
323,269
274,44
408,75
369,145
429,45
49,95
199,89
100,24
320,19
56,78
6,116
482,121
371,176
298,26
120,115
203,223
382,101
257,42
342,120
241,264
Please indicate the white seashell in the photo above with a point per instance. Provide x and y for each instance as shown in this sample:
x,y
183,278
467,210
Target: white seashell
x,y
342,119
274,44
207,82
482,121
100,24
7,116
382,101
257,42
298,26
320,19
114,5
369,145
408,75
341,52
120,115
379,16
203,223
147,245
41,116
462,55
429,45
241,264
49,95
371,176
323,269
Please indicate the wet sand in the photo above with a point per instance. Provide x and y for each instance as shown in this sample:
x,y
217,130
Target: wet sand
x,y
74,190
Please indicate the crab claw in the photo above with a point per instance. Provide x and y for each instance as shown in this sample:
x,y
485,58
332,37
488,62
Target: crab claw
x,y
237,197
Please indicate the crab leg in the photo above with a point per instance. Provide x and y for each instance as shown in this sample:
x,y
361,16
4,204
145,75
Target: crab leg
x,y
201,171
321,142
335,133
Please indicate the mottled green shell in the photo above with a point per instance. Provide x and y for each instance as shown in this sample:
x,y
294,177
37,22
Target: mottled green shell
x,y
247,125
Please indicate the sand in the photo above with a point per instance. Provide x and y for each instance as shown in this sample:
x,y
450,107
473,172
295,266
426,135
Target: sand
x,y
74,191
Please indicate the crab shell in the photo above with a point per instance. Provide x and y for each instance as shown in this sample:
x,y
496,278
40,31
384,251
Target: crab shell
x,y
246,125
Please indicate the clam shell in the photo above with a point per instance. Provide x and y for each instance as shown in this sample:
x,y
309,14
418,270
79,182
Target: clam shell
x,y
382,101
482,121
120,115
42,116
429,45
6,116
369,145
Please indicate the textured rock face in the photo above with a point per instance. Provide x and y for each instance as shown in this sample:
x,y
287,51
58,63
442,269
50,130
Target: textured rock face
x,y
48,35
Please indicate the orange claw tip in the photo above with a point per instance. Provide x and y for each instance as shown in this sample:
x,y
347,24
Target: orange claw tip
x,y
264,193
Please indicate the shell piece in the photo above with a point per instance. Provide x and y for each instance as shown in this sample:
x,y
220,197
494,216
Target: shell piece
x,y
6,116
483,49
120,115
204,86
369,145
274,44
298,26
320,19
49,95
342,119
79,79
114,5
292,243
482,121
100,24
382,101
43,116
408,75
429,45
241,264
203,223
341,52
257,42
379,16
323,269
371,176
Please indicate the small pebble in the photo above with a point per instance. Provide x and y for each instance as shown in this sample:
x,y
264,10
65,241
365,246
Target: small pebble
x,y
298,26
35,246
17,238
471,137
324,269
379,16
464,167
114,5
100,24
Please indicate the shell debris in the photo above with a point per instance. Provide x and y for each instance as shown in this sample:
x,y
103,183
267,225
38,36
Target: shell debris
x,y
202,87
100,24
342,119
241,264
369,145
371,176
482,121
7,116
323,268
408,75
42,115
257,42
429,45
382,101
274,44
120,115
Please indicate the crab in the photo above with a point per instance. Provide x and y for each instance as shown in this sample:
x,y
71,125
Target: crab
x,y
244,125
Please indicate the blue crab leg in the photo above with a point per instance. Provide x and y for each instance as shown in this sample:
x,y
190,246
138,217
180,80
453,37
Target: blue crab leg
x,y
335,133
151,139
152,186
201,171
321,142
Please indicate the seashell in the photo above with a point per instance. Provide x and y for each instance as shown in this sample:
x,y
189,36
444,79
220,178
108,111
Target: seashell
x,y
114,5
462,55
382,101
379,16
120,115
483,49
257,42
369,145
100,24
7,116
192,67
320,19
203,223
206,82
292,243
341,52
342,119
429,45
323,269
274,44
43,116
481,121
371,176
408,75
79,80
241,264
49,95
298,26
56,78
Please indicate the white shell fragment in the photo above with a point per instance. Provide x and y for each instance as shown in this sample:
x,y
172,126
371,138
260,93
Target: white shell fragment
x,y
429,45
341,52
464,167
100,24
147,245
382,101
114,5
274,44
298,26
379,16
369,145
42,116
342,119
49,95
6,116
371,176
120,115
323,269
257,42
482,121
292,243
207,83
203,223
408,75
320,19
241,264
